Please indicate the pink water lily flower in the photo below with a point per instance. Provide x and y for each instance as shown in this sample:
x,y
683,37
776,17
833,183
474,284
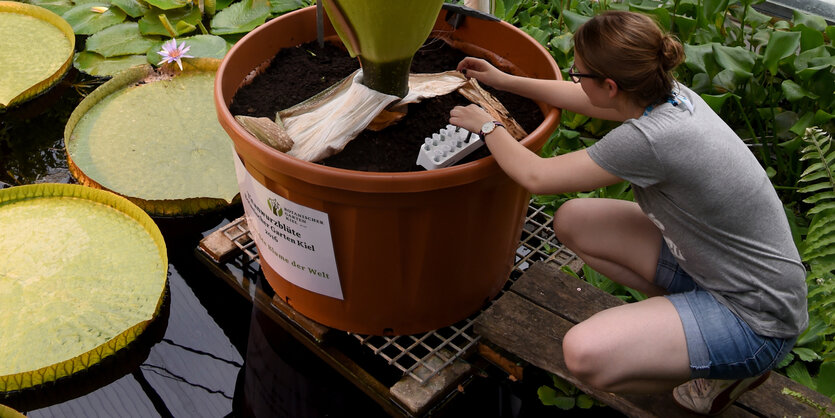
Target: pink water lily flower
x,y
171,52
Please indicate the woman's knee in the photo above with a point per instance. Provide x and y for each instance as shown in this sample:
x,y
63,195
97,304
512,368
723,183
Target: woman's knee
x,y
584,358
567,220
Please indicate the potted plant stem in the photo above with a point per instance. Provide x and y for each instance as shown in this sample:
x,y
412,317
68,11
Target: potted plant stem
x,y
381,253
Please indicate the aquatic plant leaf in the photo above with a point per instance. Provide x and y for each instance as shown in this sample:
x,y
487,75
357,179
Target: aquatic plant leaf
x,y
780,45
699,58
97,65
88,271
201,46
133,8
150,24
85,21
737,59
167,4
240,17
121,39
795,92
283,6
160,127
36,48
58,7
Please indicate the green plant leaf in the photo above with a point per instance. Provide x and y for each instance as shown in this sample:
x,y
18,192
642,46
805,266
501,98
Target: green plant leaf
x,y
727,80
278,7
795,92
548,396
712,9
36,47
172,118
241,17
97,65
88,271
809,38
717,101
812,21
826,379
699,58
150,24
806,354
797,371
684,26
737,59
780,45
167,4
133,8
85,21
58,7
803,122
585,401
574,20
117,40
563,42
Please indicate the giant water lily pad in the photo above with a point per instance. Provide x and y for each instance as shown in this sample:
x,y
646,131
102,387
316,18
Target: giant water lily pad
x,y
36,49
82,274
154,138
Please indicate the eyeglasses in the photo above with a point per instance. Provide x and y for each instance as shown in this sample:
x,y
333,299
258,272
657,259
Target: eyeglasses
x,y
575,76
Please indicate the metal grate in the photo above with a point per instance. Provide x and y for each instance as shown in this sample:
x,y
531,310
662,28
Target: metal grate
x,y
422,356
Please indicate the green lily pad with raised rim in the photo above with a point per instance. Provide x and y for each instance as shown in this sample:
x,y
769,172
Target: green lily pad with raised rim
x,y
36,50
153,137
83,273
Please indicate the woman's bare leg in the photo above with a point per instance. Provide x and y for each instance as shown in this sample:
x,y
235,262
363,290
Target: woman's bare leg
x,y
638,347
634,348
614,237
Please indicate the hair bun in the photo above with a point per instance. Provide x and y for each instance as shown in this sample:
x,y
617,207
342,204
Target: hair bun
x,y
670,53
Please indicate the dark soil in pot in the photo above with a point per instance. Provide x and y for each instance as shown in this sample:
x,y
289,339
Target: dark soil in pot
x,y
296,74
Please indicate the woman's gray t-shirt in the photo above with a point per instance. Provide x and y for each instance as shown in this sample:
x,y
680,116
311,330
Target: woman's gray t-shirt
x,y
716,208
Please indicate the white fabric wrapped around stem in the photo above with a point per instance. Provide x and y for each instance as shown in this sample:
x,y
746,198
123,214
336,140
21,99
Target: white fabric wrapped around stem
x,y
322,125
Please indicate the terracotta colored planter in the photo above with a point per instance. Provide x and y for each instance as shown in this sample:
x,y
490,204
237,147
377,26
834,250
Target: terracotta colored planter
x,y
414,251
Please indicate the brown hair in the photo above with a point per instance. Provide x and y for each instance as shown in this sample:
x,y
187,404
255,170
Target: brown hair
x,y
632,50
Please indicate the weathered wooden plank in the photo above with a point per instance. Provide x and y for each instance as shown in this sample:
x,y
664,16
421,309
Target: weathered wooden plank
x,y
535,335
769,400
575,300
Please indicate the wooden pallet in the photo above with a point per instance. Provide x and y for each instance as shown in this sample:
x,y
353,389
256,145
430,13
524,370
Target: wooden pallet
x,y
529,321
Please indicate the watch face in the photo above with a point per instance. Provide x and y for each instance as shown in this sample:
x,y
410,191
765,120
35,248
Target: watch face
x,y
488,127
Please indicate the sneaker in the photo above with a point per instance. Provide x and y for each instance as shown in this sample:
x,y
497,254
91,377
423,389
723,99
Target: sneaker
x,y
713,396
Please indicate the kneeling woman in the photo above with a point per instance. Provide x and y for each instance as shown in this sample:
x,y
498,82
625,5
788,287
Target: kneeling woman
x,y
707,236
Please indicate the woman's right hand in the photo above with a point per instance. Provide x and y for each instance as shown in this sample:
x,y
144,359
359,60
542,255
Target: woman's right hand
x,y
482,71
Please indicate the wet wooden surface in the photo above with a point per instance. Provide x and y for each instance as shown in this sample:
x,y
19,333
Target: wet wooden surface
x,y
530,320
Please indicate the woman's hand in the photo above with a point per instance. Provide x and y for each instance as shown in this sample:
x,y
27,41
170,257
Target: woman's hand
x,y
482,71
470,117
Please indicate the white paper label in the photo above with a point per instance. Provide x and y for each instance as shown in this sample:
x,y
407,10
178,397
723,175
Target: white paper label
x,y
293,239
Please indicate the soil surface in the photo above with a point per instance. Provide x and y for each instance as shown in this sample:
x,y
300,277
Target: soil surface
x,y
296,74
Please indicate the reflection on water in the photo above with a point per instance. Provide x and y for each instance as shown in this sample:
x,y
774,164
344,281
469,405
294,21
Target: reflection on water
x,y
283,379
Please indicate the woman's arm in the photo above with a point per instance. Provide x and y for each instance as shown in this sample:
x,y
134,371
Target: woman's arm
x,y
571,172
561,94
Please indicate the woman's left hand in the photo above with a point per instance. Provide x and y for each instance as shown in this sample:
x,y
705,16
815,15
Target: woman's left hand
x,y
470,117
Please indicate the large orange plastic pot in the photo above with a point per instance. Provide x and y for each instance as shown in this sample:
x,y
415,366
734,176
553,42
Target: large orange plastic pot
x,y
414,251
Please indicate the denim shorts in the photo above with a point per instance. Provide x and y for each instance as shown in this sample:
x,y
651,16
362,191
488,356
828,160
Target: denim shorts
x,y
720,344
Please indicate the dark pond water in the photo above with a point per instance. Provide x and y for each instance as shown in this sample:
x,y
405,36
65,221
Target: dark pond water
x,y
216,355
